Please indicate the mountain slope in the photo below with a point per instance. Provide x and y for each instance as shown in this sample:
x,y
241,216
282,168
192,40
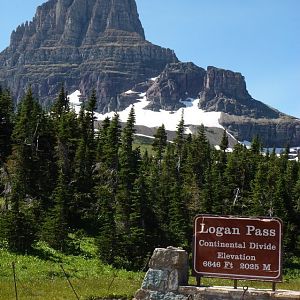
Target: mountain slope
x,y
86,44
101,45
218,91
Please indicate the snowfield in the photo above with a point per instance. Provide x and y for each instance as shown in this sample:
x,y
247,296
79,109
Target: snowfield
x,y
191,113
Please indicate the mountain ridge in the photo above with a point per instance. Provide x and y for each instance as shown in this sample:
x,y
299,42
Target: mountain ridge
x,y
110,56
101,45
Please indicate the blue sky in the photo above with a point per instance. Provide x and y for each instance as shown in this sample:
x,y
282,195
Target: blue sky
x,y
259,38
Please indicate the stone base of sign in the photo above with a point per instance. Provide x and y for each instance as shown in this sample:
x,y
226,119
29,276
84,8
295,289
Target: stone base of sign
x,y
229,293
167,279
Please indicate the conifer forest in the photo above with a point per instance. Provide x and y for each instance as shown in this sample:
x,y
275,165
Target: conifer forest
x,y
62,173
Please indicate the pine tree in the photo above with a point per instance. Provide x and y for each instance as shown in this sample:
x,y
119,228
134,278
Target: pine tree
x,y
111,147
224,141
6,124
139,211
61,105
259,192
256,146
106,237
127,173
179,141
55,228
216,181
106,187
85,159
23,170
200,155
160,142
236,176
57,221
162,191
6,129
102,139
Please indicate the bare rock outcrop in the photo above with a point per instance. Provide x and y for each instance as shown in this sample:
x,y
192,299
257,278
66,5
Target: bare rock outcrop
x,y
278,132
86,44
226,91
177,82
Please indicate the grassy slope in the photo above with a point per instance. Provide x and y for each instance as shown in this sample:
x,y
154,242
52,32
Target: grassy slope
x,y
40,277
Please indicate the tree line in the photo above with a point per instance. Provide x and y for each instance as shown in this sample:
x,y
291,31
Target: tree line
x,y
61,175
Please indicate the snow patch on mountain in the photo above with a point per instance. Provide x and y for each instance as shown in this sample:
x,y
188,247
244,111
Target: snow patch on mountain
x,y
191,113
74,98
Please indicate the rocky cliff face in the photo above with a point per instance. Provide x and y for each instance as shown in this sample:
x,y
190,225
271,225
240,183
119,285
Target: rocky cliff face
x,y
226,91
86,44
177,82
221,91
100,44
218,90
278,132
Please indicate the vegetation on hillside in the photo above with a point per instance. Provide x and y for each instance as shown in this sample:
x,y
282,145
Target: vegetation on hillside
x,y
44,274
59,176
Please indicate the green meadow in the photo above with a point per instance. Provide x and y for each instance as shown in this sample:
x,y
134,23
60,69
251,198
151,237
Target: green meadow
x,y
40,276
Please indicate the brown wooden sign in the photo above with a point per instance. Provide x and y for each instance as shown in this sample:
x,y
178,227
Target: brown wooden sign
x,y
238,247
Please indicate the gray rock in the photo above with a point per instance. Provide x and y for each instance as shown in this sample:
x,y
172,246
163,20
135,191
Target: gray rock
x,y
86,44
171,259
175,261
178,81
166,296
226,91
277,132
142,294
156,280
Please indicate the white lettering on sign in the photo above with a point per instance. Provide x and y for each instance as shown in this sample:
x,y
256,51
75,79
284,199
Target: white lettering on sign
x,y
223,255
238,247
265,246
219,231
219,244
252,230
267,267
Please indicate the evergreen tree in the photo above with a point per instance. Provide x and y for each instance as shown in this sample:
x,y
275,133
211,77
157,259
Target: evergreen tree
x,y
57,220
139,213
216,181
20,232
102,139
160,142
6,124
235,200
256,146
165,183
61,105
259,190
55,228
128,168
178,216
6,129
111,147
106,187
224,141
200,155
179,141
85,158
106,237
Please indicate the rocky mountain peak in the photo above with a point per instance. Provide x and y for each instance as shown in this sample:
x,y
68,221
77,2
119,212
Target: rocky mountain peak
x,y
77,23
85,44
220,82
